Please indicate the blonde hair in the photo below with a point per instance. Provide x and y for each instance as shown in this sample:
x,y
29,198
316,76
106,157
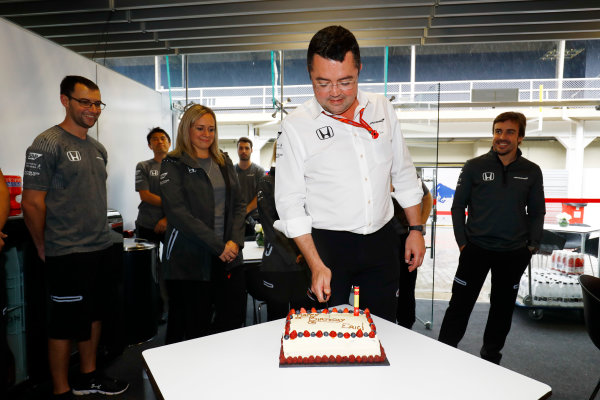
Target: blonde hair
x,y
274,155
183,144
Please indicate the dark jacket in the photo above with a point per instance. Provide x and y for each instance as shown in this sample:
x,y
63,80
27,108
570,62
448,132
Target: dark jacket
x,y
191,244
505,204
400,222
280,252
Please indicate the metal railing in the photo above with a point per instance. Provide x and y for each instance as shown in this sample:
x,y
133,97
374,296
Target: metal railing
x,y
260,98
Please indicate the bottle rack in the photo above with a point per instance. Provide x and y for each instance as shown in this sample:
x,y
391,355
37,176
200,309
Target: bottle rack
x,y
551,281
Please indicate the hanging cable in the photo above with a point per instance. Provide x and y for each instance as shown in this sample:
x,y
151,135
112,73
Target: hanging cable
x,y
385,71
273,100
103,37
169,84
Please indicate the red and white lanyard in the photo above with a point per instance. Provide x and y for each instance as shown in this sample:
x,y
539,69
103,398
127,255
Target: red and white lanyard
x,y
362,124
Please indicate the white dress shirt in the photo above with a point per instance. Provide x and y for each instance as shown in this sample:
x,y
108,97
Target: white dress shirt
x,y
332,175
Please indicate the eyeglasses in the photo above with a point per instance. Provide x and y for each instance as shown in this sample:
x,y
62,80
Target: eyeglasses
x,y
85,103
347,84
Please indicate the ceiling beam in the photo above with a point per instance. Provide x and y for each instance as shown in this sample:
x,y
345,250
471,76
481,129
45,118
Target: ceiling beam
x,y
521,37
99,53
363,29
271,40
512,7
516,19
497,30
373,17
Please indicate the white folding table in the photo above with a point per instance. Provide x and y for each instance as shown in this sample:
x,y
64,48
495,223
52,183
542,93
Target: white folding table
x,y
244,364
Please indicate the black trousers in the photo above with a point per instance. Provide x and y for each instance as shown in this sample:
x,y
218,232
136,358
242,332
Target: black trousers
x,y
156,238
281,290
474,264
149,234
369,261
405,314
198,308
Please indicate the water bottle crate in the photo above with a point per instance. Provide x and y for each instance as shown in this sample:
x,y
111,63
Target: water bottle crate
x,y
550,289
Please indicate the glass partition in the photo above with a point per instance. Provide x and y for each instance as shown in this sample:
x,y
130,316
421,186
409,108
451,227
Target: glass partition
x,y
419,123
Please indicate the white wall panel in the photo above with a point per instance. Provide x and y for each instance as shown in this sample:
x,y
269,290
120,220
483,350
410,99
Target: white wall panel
x,y
32,68
131,111
591,155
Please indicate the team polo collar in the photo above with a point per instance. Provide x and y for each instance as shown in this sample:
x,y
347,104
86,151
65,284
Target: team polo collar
x,y
315,108
493,153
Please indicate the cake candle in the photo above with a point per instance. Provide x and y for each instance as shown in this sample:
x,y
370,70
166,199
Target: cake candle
x,y
356,293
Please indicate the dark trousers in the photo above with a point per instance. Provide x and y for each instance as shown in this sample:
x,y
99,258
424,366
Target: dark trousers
x,y
193,303
474,264
156,238
189,310
7,360
281,291
405,314
149,234
369,261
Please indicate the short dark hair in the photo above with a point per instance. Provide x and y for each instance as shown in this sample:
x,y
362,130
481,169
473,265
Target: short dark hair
x,y
244,139
333,43
154,130
67,86
512,116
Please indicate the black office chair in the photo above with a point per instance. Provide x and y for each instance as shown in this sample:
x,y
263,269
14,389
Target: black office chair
x,y
591,249
550,242
256,289
590,288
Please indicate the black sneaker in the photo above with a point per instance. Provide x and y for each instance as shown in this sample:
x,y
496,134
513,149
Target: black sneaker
x,y
99,384
63,396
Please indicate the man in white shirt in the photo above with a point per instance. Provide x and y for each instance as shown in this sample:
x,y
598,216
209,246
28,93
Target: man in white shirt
x,y
337,155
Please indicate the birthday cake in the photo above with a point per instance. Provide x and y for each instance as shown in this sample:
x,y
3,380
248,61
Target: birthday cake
x,y
330,336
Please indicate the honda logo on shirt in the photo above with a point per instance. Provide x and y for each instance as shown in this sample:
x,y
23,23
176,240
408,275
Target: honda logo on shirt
x,y
488,176
325,133
153,172
74,155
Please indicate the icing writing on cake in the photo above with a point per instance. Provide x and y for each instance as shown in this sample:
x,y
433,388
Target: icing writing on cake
x,y
307,337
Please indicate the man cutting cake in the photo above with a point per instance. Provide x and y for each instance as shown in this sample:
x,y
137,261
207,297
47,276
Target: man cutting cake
x,y
338,154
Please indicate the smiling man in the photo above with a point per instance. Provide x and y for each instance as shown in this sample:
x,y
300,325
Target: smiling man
x,y
64,206
337,155
504,197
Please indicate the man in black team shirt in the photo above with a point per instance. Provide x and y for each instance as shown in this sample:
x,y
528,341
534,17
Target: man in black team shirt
x,y
504,196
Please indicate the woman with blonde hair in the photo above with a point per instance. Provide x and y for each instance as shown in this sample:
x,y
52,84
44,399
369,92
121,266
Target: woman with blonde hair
x,y
202,257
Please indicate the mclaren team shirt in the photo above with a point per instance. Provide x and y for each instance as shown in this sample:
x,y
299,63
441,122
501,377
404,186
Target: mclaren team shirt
x,y
336,176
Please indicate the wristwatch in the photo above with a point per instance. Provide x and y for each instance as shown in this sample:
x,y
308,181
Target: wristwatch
x,y
416,228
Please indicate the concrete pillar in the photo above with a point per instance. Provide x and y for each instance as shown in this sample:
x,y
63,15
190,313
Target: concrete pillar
x,y
575,145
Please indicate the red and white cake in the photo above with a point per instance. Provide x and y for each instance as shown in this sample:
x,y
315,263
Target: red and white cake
x,y
330,336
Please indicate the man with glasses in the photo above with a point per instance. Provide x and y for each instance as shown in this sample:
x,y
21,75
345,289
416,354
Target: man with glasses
x,y
337,155
64,205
